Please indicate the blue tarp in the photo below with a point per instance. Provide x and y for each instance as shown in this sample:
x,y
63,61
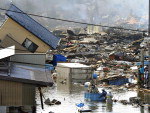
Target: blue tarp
x,y
142,70
146,56
80,105
58,58
145,63
94,76
119,82
49,66
94,96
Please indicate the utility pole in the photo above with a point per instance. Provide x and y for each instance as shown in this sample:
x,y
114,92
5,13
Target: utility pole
x,y
148,85
149,47
142,57
141,74
149,20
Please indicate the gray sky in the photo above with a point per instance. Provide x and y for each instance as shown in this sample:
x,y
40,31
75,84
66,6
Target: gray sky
x,y
106,12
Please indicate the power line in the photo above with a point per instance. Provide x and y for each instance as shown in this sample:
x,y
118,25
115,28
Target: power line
x,y
71,21
62,20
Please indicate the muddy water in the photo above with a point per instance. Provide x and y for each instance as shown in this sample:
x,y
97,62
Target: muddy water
x,y
69,95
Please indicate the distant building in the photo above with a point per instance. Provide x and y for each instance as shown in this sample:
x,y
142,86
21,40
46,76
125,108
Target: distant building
x,y
93,29
25,33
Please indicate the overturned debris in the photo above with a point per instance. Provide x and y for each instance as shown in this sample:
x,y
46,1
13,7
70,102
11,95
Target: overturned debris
x,y
53,102
115,80
124,102
135,100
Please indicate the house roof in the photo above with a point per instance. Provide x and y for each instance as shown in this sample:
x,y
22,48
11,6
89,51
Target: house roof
x,y
32,26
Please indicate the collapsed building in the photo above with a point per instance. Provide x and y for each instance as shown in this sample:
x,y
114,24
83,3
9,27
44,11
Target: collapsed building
x,y
104,48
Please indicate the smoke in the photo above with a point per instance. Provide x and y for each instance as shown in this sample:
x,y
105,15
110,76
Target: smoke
x,y
105,12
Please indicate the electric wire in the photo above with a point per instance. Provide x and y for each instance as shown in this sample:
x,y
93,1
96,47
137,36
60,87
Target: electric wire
x,y
67,21
77,22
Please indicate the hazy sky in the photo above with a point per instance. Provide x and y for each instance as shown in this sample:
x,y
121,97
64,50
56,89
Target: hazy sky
x,y
92,11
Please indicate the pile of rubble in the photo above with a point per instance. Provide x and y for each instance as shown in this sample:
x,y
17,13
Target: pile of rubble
x,y
110,53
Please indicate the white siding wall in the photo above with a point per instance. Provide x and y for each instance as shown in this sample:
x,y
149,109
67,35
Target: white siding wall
x,y
74,74
63,74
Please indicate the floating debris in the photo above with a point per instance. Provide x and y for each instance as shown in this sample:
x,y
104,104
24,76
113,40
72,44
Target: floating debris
x,y
53,102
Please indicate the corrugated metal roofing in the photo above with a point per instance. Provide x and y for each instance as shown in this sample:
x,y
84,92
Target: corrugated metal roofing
x,y
32,26
28,74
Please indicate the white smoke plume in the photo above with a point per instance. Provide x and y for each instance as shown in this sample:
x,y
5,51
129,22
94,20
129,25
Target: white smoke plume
x,y
105,12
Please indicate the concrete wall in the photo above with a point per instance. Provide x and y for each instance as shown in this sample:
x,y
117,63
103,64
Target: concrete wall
x,y
19,34
16,94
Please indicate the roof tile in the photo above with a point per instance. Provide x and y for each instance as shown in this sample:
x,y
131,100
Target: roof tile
x,y
32,26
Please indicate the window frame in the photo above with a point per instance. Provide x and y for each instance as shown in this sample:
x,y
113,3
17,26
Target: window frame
x,y
29,47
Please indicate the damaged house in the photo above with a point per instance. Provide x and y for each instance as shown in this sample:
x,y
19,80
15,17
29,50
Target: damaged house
x,y
25,33
19,82
24,70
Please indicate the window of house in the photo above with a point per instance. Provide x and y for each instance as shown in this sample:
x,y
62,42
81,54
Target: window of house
x,y
29,45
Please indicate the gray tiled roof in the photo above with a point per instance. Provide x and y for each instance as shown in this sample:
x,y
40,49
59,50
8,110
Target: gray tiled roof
x,y
32,26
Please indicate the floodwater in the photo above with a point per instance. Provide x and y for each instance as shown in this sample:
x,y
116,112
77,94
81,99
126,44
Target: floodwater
x,y
70,95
